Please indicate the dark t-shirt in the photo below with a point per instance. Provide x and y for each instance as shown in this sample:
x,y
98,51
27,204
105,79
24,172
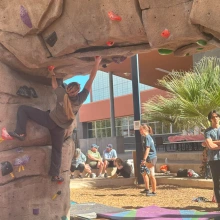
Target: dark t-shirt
x,y
125,171
58,114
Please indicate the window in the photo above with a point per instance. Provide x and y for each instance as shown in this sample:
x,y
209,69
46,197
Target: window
x,y
125,127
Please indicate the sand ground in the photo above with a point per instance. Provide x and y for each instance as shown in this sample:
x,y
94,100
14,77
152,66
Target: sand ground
x,y
168,196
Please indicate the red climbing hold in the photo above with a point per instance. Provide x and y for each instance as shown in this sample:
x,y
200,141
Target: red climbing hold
x,y
113,16
5,135
110,43
165,33
51,68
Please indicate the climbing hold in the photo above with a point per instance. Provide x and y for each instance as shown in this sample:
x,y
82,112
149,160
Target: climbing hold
x,y
5,135
187,55
165,33
52,39
113,16
7,168
21,161
119,59
33,92
24,91
59,182
104,66
64,218
50,68
19,150
165,51
25,17
201,42
200,48
57,194
110,43
1,139
35,211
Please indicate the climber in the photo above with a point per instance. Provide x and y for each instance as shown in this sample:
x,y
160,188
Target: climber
x,y
60,118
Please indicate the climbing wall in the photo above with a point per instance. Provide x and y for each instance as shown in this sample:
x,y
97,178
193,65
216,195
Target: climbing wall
x,y
26,190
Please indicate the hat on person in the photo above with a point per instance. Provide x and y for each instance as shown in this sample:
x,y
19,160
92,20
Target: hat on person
x,y
95,146
109,146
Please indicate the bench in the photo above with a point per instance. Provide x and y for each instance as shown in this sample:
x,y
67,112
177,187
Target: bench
x,y
110,171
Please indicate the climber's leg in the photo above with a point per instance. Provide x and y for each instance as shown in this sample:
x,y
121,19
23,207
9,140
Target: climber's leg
x,y
57,138
27,112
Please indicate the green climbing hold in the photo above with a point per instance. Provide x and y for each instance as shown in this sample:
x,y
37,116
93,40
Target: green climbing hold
x,y
64,218
187,55
201,42
165,51
200,48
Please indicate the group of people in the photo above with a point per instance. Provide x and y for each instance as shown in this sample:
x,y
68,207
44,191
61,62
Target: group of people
x,y
94,160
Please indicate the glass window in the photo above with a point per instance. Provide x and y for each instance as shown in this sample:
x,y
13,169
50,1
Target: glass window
x,y
102,124
108,124
91,133
98,124
118,122
175,129
99,133
166,128
118,131
89,125
124,121
108,132
125,131
159,127
103,132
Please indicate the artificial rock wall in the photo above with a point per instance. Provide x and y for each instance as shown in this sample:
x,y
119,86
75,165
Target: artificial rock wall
x,y
68,34
26,191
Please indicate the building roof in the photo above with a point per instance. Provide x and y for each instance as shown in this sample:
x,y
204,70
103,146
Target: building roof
x,y
148,62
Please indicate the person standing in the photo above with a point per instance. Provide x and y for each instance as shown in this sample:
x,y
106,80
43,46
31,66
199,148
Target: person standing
x,y
69,100
212,142
149,160
109,156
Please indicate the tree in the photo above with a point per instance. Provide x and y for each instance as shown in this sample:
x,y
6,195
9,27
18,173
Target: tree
x,y
190,96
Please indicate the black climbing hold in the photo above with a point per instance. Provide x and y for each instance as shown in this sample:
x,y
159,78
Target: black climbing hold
x,y
6,168
52,39
33,92
24,91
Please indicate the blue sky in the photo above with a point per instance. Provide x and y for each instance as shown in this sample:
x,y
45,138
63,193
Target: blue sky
x,y
82,81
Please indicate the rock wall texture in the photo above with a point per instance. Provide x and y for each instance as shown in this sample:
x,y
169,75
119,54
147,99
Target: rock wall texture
x,y
26,190
69,33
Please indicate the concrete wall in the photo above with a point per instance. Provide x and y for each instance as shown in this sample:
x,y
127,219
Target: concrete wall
x,y
117,142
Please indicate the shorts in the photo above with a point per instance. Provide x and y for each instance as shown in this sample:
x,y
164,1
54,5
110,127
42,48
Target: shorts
x,y
149,171
93,164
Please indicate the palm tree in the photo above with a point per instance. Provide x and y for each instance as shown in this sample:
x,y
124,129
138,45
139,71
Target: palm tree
x,y
190,96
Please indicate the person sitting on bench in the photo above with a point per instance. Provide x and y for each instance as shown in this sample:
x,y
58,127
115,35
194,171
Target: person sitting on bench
x,y
78,163
94,159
